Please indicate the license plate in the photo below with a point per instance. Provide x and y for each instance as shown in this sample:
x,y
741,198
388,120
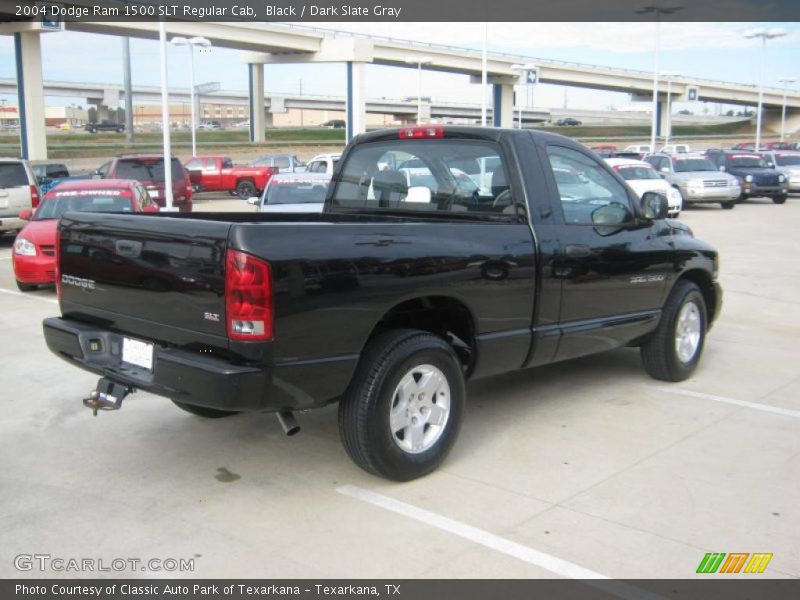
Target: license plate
x,y
137,353
153,193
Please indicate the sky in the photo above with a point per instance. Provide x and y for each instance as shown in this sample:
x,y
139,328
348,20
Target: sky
x,y
707,50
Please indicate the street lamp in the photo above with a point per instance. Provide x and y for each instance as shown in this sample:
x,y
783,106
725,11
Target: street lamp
x,y
422,60
523,69
658,11
785,81
668,75
191,43
764,34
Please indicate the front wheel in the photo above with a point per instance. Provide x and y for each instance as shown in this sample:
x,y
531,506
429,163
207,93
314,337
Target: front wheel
x,y
728,205
245,189
402,413
26,287
779,199
674,349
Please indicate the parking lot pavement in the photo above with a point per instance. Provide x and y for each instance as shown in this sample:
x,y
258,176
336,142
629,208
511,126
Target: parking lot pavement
x,y
586,467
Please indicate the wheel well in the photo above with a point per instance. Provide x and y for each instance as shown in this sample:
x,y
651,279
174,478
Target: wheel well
x,y
703,280
443,316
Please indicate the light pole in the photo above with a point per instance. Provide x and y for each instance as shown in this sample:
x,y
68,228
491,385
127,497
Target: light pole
x,y
658,11
785,81
764,34
191,43
423,60
523,70
668,75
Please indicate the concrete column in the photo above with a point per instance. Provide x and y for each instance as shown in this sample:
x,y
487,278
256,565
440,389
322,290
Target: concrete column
x,y
662,122
503,105
30,92
256,88
356,116
102,113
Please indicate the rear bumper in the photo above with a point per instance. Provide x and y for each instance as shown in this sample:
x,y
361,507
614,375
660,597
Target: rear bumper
x,y
11,223
199,378
34,269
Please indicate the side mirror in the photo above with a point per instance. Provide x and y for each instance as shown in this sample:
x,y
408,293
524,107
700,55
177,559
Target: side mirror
x,y
419,194
655,205
253,200
25,215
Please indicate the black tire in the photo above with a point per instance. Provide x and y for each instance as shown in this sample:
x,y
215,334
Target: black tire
x,y
659,355
364,412
729,204
204,411
779,199
26,287
245,189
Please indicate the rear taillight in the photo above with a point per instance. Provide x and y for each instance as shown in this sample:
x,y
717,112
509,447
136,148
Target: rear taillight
x,y
58,262
34,196
425,131
248,297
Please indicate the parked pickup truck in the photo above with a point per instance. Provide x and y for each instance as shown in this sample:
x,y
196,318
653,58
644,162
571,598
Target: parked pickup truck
x,y
393,297
217,173
105,126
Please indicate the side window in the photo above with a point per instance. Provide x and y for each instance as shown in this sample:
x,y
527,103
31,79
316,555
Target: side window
x,y
227,163
209,164
313,166
194,164
282,162
590,195
103,170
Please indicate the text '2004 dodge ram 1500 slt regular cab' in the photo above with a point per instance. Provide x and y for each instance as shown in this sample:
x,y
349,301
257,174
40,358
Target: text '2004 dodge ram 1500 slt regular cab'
x,y
402,289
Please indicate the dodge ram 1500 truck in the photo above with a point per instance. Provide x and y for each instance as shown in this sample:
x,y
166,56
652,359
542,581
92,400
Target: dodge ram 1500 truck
x,y
217,173
442,254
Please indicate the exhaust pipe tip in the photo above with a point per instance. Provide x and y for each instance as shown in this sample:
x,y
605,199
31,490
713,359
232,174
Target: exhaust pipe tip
x,y
288,422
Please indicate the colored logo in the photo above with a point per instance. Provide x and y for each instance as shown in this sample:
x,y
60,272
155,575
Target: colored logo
x,y
735,562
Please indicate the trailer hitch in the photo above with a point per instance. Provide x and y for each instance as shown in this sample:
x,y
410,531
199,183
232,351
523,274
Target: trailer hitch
x,y
108,396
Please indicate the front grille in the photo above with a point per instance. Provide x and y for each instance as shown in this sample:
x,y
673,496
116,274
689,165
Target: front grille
x,y
48,249
767,180
715,183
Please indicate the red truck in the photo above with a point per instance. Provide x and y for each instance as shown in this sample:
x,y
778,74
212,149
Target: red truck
x,y
217,173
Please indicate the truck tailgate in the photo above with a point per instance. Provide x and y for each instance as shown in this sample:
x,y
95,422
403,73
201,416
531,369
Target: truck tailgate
x,y
156,275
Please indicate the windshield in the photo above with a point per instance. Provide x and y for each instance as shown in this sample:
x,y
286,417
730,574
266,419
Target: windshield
x,y
296,192
747,162
147,169
686,165
633,172
788,160
56,203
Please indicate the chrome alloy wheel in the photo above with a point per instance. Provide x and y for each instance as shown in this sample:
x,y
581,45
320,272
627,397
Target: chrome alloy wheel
x,y
420,409
687,332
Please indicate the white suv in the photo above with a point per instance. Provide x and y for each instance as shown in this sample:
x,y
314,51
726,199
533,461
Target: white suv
x,y
323,163
18,191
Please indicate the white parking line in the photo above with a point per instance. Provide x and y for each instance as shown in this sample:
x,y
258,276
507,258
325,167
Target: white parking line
x,y
526,554
479,536
33,296
795,414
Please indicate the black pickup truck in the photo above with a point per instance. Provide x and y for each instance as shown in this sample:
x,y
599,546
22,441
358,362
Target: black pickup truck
x,y
442,254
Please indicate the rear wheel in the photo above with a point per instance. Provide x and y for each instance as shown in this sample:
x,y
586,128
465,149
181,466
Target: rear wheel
x,y
204,411
245,189
779,199
26,287
728,205
402,412
674,349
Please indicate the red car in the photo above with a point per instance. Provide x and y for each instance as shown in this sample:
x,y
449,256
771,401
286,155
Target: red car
x,y
148,169
34,249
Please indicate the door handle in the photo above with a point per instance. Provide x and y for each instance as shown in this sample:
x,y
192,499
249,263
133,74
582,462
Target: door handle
x,y
577,251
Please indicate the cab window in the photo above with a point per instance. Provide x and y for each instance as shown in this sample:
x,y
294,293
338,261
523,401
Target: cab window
x,y
589,194
427,175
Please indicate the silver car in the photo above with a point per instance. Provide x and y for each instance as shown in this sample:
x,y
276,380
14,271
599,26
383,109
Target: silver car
x,y
788,163
697,178
293,193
